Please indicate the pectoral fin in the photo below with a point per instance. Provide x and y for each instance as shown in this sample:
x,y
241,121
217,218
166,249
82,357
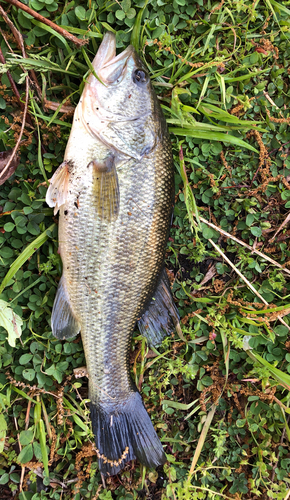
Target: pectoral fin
x,y
106,188
63,322
58,189
161,316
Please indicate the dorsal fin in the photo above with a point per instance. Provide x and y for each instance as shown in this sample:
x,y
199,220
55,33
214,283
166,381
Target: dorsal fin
x,y
161,316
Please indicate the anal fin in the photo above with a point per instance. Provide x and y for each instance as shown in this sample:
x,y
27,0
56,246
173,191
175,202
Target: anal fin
x,y
58,189
161,316
63,322
106,188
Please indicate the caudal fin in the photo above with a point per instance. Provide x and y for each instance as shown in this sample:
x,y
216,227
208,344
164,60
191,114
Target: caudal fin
x,y
124,432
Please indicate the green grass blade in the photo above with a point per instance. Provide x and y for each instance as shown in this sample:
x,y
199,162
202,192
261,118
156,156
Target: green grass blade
x,y
229,79
195,410
212,136
208,38
86,57
200,126
264,311
39,156
281,377
280,7
202,437
76,418
203,90
24,395
179,406
79,31
38,64
221,82
108,28
55,121
25,289
198,340
286,423
135,36
220,114
60,105
24,256
188,194
53,32
42,440
226,349
270,5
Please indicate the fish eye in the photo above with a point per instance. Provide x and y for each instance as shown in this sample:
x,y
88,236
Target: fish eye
x,y
139,76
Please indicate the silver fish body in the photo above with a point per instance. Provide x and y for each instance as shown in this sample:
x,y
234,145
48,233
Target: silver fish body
x,y
115,193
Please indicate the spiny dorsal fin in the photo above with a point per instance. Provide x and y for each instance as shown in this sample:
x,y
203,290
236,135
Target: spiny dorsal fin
x,y
58,189
106,188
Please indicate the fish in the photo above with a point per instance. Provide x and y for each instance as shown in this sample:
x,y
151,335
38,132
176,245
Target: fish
x,y
115,194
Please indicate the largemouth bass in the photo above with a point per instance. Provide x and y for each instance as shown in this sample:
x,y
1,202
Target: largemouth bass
x,y
114,191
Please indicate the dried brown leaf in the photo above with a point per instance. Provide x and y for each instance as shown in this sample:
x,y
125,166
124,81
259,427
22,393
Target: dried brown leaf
x,y
4,158
65,108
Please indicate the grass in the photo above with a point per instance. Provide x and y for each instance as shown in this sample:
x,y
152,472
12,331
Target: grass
x,y
219,394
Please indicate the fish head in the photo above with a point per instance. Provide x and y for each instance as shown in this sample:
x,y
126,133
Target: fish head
x,y
126,85
120,107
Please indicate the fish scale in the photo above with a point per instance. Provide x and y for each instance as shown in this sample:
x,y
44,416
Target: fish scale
x,y
115,192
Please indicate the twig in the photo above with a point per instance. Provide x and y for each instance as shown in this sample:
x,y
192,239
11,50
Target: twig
x,y
103,481
17,95
235,39
271,100
253,250
52,25
20,448
238,271
15,32
12,83
280,228
21,130
282,146
17,36
245,280
19,40
209,275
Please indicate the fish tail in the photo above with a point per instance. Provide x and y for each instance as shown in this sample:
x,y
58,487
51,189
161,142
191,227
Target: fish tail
x,y
124,432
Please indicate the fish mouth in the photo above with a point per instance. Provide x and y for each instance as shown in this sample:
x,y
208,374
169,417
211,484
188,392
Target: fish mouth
x,y
109,66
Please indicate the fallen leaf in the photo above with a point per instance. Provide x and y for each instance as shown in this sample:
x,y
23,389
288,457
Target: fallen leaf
x,y
151,354
11,322
261,51
65,108
4,158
